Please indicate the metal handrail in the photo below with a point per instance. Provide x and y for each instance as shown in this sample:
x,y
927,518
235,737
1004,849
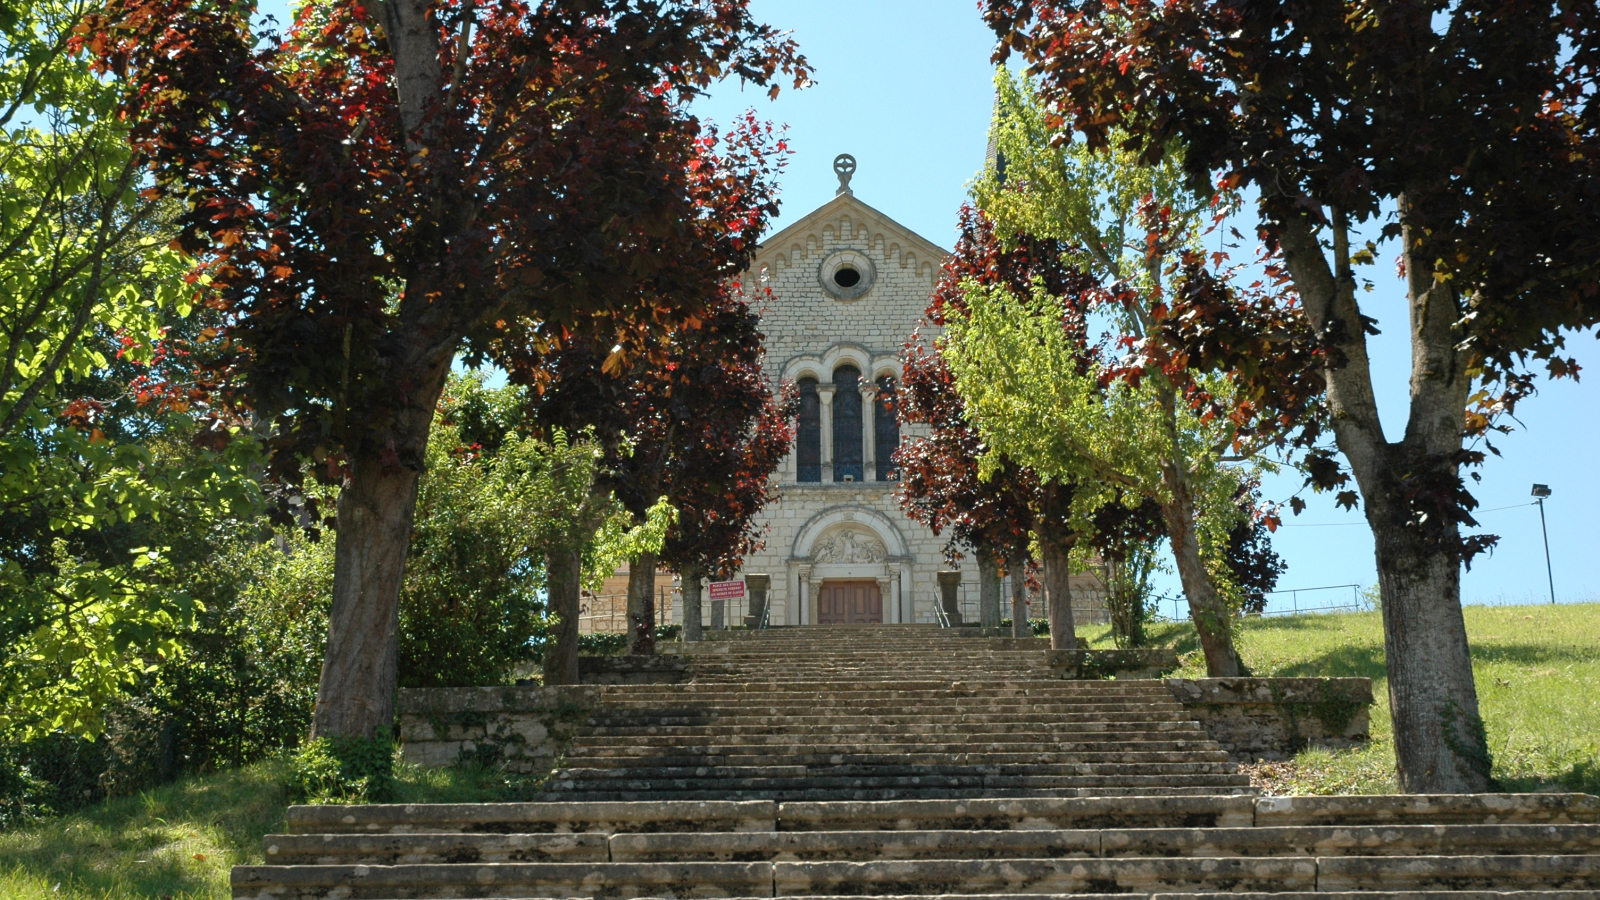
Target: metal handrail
x,y
766,615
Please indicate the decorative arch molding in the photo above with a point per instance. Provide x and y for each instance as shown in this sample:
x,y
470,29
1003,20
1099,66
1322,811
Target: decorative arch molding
x,y
821,365
839,518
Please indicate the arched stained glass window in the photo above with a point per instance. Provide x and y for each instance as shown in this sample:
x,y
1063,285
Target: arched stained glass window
x,y
847,424
886,430
808,433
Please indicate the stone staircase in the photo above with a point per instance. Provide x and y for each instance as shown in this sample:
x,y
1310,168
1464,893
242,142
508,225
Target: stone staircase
x,y
887,713
910,761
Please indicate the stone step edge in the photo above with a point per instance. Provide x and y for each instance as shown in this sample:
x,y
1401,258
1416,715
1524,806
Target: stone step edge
x,y
769,815
1391,841
1556,894
1303,872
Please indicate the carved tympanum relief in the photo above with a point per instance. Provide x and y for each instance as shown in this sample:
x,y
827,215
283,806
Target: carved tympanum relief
x,y
850,548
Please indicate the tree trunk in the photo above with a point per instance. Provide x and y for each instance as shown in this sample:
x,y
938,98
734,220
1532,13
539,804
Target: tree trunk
x,y
1055,553
1017,568
1440,746
563,584
642,605
377,502
988,588
692,586
1439,743
1212,619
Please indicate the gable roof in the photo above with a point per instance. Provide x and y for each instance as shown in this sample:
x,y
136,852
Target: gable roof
x,y
861,215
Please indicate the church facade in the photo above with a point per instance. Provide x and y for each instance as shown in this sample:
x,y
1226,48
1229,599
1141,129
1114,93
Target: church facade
x,y
839,293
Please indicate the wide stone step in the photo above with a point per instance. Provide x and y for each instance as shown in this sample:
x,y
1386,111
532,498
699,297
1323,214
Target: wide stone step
x,y
430,849
533,818
1456,840
1405,840
881,877
898,716
701,691
1357,873
930,740
644,781
760,661
601,719
1132,738
1358,840
899,795
779,878
782,771
1254,895
874,699
587,766
1429,809
616,757
1013,691
1066,717
588,879
1001,814
1039,707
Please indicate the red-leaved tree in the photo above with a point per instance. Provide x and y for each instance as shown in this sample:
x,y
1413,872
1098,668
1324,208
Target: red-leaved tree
x,y
693,420
399,180
1467,133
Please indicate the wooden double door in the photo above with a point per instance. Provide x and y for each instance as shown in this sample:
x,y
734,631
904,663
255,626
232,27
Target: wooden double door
x,y
850,603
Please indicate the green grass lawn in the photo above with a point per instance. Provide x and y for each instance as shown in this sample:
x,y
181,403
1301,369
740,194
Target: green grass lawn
x,y
1538,674
179,841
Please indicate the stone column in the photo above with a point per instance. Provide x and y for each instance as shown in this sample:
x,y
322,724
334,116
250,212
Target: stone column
x,y
757,585
802,600
825,395
814,595
791,595
886,594
907,601
869,432
950,595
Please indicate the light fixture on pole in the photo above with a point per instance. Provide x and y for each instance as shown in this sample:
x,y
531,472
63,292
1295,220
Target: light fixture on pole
x,y
1541,491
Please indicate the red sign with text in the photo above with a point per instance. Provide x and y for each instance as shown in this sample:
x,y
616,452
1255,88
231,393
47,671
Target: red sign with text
x,y
727,590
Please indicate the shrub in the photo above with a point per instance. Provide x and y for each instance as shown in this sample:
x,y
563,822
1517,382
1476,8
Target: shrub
x,y
343,769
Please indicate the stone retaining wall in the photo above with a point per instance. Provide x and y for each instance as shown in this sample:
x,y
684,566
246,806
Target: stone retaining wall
x,y
1274,718
524,728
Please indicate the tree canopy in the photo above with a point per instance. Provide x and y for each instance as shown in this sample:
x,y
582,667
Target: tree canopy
x,y
395,182
1463,133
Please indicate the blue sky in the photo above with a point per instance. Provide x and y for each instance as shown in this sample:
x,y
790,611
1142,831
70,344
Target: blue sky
x,y
905,87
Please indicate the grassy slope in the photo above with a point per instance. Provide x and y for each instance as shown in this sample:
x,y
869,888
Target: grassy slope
x,y
1538,679
1538,674
179,841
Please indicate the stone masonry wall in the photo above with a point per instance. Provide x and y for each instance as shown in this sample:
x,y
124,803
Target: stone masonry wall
x,y
1275,718
525,728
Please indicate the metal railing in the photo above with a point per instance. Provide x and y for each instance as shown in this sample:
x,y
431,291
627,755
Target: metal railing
x,y
1088,607
1180,612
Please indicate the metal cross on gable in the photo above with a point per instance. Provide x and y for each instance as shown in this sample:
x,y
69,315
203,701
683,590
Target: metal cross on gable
x,y
844,166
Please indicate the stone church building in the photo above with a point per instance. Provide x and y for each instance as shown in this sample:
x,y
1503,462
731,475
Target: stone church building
x,y
847,284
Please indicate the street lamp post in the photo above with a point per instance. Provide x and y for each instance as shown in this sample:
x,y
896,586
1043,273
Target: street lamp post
x,y
1541,491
